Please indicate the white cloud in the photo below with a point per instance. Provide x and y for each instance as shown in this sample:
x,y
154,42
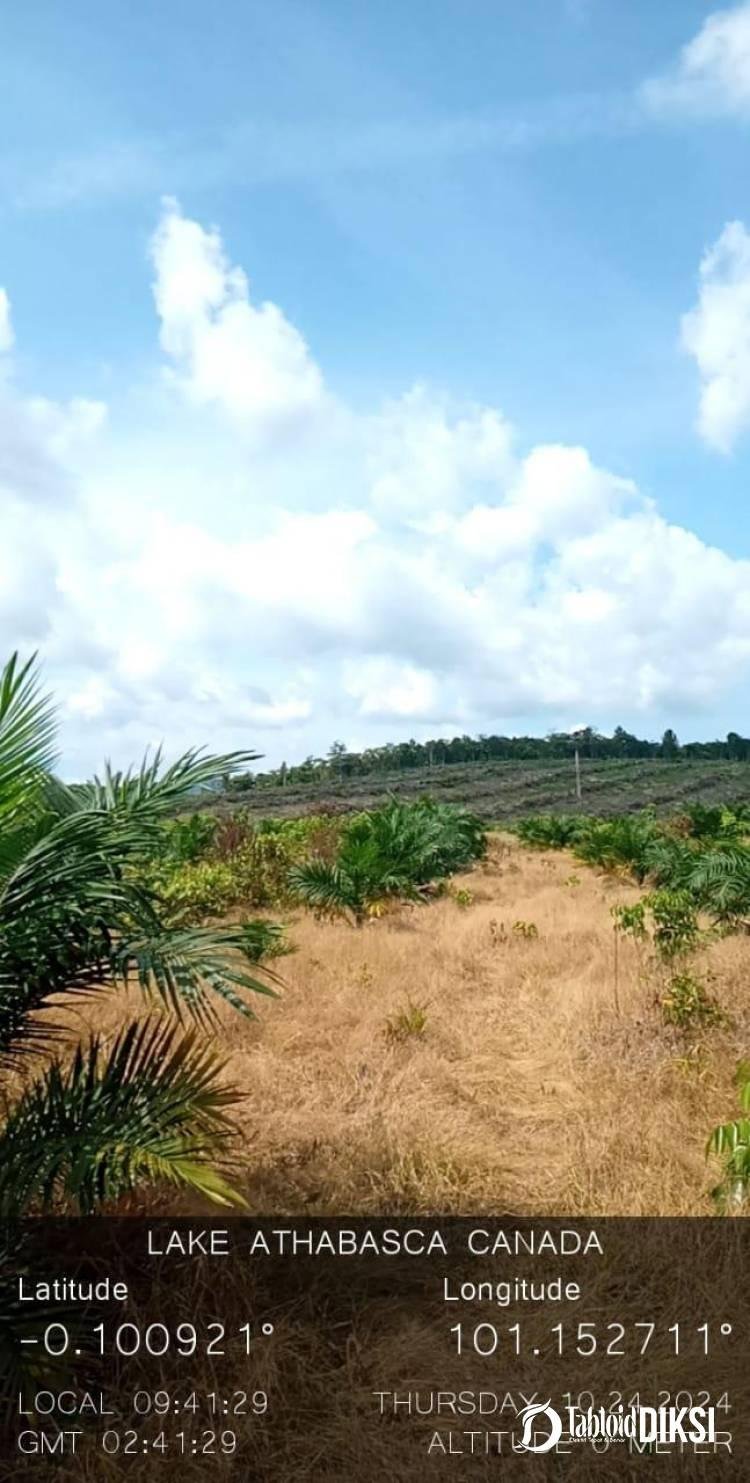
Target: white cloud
x,y
712,72
249,361
564,492
717,333
40,440
6,328
439,575
425,457
388,689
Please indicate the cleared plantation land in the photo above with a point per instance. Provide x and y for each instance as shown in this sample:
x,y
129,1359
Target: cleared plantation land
x,y
527,1090
500,791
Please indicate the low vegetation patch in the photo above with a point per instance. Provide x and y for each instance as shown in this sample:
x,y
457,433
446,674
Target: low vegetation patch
x,y
409,1023
688,1005
700,855
526,930
697,863
353,866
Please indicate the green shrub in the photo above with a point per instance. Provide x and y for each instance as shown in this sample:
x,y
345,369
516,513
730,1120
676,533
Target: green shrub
x,y
313,834
463,898
261,869
195,891
631,920
676,930
186,840
713,822
668,918
246,867
688,1004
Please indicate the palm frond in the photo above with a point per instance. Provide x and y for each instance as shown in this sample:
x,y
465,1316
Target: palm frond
x,y
27,732
180,965
720,880
152,1109
59,914
155,791
326,887
73,919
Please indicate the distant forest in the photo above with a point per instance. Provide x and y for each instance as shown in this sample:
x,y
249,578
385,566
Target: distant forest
x,y
398,756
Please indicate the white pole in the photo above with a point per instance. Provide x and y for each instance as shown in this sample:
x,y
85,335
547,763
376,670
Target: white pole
x,y
578,776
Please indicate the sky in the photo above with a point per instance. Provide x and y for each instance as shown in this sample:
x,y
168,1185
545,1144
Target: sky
x,y
371,371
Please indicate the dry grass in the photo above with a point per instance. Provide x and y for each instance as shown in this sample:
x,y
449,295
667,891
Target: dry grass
x,y
529,1087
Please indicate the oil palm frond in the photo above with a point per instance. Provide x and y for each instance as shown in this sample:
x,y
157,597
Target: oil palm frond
x,y
151,1109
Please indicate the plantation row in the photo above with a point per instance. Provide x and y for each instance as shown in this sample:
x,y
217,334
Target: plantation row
x,y
697,866
499,791
441,752
703,852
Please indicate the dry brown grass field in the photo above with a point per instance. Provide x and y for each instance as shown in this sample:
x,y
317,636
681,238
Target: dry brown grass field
x,y
542,1080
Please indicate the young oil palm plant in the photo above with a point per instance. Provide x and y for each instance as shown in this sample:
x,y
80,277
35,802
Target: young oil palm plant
x,y
392,851
76,918
720,881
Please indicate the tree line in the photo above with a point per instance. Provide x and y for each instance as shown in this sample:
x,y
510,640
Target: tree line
x,y
341,763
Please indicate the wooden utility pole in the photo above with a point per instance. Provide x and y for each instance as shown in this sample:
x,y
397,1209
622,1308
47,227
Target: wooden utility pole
x,y
578,776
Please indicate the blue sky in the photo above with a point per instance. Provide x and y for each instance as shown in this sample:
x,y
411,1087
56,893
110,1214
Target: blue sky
x,y
481,463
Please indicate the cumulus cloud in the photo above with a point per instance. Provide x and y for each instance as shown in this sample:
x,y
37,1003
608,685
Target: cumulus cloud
x,y
226,351
428,457
442,575
41,448
717,333
712,73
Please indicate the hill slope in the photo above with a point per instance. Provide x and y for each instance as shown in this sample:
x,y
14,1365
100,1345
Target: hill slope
x,y
501,791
